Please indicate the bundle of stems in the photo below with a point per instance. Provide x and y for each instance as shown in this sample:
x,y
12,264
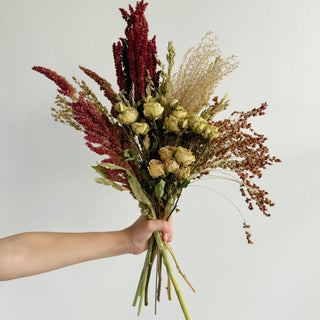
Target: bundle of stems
x,y
158,251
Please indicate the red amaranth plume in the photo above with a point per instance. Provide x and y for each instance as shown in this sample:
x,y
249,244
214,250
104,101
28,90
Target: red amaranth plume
x,y
65,87
105,86
103,137
135,54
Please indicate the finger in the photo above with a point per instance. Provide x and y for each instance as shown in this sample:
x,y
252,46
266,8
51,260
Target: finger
x,y
166,228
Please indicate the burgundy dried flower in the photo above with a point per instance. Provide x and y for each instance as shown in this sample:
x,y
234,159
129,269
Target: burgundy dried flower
x,y
105,86
135,55
65,87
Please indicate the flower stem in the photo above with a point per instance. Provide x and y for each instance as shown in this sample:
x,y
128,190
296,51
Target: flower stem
x,y
143,278
166,261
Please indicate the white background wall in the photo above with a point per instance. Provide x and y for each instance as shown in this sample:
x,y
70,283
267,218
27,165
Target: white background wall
x,y
46,183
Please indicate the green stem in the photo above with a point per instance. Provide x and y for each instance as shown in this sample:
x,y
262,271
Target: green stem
x,y
153,255
163,252
143,278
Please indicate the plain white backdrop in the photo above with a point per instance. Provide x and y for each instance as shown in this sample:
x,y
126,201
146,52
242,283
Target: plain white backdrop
x,y
47,184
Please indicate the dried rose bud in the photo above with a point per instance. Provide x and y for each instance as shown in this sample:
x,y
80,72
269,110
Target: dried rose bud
x,y
179,112
171,165
152,110
156,168
184,173
174,102
128,116
119,107
184,156
171,123
210,132
183,124
167,152
140,128
196,124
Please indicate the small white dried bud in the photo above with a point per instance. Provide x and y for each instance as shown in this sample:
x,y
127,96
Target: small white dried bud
x,y
184,156
156,168
140,128
153,110
167,152
146,142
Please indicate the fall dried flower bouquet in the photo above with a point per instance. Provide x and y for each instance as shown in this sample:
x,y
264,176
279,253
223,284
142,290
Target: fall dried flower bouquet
x,y
160,132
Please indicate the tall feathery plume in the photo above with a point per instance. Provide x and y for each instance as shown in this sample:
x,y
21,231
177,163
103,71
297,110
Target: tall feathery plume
x,y
135,55
199,74
65,87
101,135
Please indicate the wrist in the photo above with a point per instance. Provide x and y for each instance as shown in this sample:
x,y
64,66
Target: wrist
x,y
126,243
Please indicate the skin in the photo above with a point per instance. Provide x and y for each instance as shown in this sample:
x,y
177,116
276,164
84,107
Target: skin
x,y
31,253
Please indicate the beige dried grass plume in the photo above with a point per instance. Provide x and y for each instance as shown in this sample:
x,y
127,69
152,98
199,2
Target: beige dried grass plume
x,y
199,74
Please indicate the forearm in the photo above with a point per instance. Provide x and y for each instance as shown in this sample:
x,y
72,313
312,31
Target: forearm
x,y
31,253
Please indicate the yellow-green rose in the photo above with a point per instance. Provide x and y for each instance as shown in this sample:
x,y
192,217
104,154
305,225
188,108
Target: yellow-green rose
x,y
128,116
167,152
140,128
171,165
196,124
156,168
171,123
184,156
210,132
183,173
152,110
179,112
119,107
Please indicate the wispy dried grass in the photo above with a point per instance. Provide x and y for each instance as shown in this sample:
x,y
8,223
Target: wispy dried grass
x,y
199,74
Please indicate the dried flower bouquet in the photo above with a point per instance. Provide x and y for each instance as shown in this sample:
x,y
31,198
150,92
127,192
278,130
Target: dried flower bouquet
x,y
161,132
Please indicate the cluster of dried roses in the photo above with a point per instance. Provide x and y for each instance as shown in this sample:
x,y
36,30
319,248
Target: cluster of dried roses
x,y
174,159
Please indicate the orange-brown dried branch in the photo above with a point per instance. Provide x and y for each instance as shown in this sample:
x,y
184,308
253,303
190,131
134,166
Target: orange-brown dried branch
x,y
241,150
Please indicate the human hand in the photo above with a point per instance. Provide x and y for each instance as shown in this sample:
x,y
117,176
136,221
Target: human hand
x,y
139,233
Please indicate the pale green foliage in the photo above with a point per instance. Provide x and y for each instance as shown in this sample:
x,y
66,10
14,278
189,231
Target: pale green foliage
x,y
92,97
105,179
65,113
166,75
137,191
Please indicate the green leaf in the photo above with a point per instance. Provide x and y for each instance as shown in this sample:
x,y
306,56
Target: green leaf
x,y
159,189
101,171
134,183
131,96
129,155
111,183
105,178
184,183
